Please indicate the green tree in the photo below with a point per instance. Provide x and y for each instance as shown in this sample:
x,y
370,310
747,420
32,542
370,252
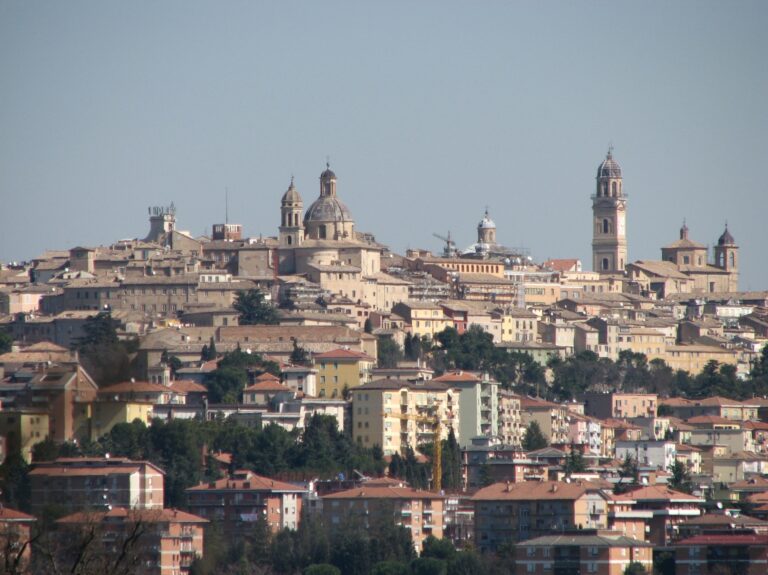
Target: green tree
x,y
388,353
254,308
627,475
681,477
574,461
438,548
534,438
466,563
299,355
14,482
101,352
322,569
635,568
6,342
390,568
451,462
368,325
429,566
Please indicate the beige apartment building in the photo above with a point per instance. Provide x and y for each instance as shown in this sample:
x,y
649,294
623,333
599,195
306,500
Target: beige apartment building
x,y
421,512
551,417
396,414
590,551
424,318
341,370
94,483
513,512
620,405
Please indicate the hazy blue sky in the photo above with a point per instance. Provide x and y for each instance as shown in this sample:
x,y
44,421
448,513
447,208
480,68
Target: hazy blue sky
x,y
429,111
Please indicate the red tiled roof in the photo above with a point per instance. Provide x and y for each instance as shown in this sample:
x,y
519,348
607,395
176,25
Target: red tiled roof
x,y
8,514
659,493
188,386
535,490
145,515
344,354
454,376
135,387
387,492
725,540
250,482
267,385
713,419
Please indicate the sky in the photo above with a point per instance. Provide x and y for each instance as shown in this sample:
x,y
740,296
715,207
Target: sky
x,y
429,111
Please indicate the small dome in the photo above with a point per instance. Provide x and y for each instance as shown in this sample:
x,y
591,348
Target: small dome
x,y
328,173
291,196
327,209
726,239
609,168
486,223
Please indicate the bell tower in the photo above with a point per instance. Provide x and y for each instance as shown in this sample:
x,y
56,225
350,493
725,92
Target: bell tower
x,y
609,213
727,258
291,222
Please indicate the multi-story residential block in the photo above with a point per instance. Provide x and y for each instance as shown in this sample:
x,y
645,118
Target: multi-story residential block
x,y
424,318
396,414
717,406
597,551
478,402
658,454
300,379
341,370
22,428
510,420
620,405
585,431
421,512
64,390
237,502
551,418
512,512
169,543
712,554
94,483
669,507
519,325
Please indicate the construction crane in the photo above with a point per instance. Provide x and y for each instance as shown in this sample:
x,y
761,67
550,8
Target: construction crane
x,y
449,250
437,451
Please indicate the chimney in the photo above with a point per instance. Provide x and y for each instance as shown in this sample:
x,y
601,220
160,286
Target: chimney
x,y
508,486
554,488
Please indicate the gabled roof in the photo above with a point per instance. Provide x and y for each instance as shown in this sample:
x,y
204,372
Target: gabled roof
x,y
536,490
384,492
457,376
135,387
144,515
266,386
344,354
247,481
585,540
659,493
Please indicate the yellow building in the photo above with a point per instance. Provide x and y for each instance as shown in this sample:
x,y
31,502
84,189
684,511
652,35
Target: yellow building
x,y
693,358
342,369
519,325
396,414
22,429
425,318
107,414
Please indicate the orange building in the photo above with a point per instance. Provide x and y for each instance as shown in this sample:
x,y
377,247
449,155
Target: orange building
x,y
167,543
421,512
240,500
590,551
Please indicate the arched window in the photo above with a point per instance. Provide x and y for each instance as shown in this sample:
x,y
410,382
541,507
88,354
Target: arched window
x,y
732,259
606,226
322,232
605,188
290,240
613,189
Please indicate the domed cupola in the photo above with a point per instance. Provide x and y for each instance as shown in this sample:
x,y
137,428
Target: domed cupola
x,y
726,239
609,168
291,195
486,230
328,217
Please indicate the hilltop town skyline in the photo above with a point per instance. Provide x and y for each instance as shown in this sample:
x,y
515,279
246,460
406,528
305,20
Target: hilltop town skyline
x,y
429,119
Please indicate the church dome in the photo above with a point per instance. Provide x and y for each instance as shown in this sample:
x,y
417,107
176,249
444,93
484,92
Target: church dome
x,y
291,196
327,209
486,223
726,239
609,168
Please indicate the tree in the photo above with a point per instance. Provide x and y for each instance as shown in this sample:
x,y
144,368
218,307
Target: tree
x,y
322,569
254,309
635,568
534,438
429,566
574,461
368,325
299,355
628,474
681,477
6,342
102,354
388,352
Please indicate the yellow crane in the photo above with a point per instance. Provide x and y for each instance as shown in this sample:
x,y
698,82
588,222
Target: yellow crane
x,y
437,451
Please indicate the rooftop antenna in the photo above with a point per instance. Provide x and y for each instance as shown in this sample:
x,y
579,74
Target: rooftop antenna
x,y
226,205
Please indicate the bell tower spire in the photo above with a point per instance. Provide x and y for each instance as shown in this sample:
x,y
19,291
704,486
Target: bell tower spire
x,y
609,211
